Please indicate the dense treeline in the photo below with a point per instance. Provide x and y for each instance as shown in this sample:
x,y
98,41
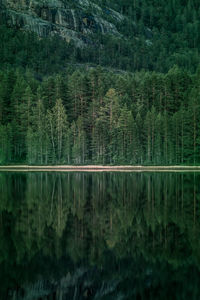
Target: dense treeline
x,y
56,108
96,116
173,37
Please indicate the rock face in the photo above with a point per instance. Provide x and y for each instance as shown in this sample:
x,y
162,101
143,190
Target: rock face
x,y
71,20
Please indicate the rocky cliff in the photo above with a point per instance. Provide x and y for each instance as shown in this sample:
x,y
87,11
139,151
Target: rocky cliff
x,y
71,20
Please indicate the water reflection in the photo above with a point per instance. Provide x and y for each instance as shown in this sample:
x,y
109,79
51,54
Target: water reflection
x,y
99,235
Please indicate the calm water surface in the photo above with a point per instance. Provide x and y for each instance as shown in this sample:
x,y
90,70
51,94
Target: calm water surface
x,y
99,236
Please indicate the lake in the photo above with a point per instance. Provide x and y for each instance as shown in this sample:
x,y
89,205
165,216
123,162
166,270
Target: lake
x,y
99,235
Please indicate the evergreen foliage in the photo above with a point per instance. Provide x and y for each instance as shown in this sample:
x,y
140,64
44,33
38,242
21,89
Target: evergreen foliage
x,y
58,106
100,117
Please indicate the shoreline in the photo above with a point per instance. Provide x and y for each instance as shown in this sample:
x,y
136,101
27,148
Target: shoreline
x,y
98,168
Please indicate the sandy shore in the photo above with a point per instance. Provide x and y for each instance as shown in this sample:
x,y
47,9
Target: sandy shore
x,y
98,168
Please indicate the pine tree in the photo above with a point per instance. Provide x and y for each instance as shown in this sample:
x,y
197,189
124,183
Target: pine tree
x,y
158,140
79,149
78,95
57,130
125,136
37,136
17,97
5,144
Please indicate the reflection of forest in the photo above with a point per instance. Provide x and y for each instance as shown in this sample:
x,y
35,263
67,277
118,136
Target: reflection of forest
x,y
107,235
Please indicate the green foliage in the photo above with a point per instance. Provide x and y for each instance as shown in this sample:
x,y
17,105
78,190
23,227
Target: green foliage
x,y
59,107
153,36
102,117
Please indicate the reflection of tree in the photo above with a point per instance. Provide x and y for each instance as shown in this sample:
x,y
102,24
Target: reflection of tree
x,y
103,220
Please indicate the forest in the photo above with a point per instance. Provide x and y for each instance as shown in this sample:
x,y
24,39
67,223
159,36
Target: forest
x,y
134,101
100,117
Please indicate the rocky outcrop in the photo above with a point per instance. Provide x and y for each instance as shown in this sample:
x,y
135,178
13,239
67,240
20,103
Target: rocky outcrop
x,y
57,17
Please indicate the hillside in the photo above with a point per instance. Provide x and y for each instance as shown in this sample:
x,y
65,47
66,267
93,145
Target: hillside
x,y
69,20
84,83
131,36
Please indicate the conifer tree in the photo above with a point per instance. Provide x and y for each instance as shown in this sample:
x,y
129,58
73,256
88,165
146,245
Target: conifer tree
x,y
57,130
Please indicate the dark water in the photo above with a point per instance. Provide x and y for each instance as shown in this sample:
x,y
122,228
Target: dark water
x,y
99,236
